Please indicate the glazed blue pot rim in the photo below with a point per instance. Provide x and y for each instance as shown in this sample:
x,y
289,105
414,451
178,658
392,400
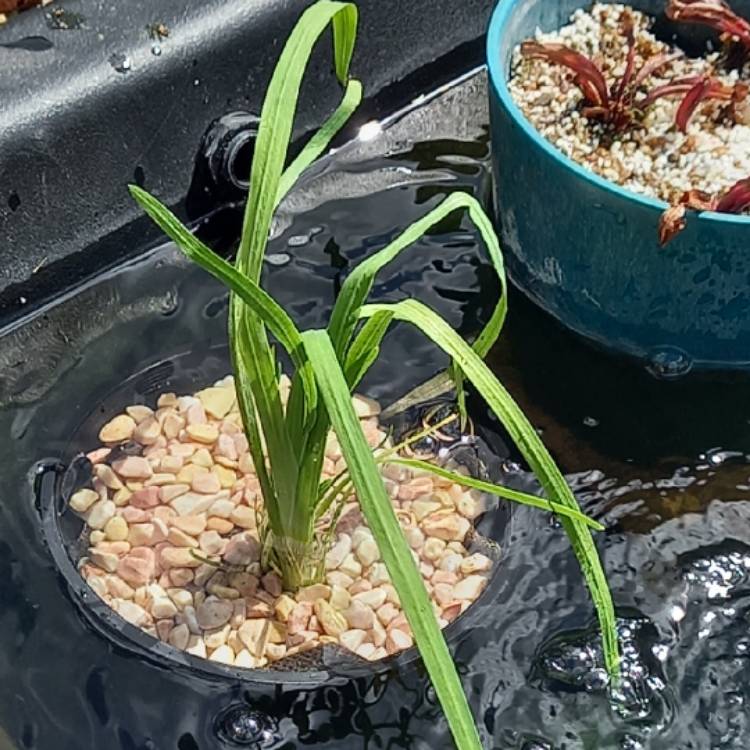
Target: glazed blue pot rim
x,y
498,80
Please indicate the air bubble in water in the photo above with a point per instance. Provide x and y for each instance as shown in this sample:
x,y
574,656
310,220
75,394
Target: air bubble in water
x,y
244,726
580,664
669,362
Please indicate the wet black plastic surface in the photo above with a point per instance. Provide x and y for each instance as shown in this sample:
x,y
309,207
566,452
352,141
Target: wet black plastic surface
x,y
95,95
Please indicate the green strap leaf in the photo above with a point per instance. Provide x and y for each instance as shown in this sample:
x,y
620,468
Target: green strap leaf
x,y
249,341
277,119
358,284
490,488
272,314
322,138
365,348
532,448
394,548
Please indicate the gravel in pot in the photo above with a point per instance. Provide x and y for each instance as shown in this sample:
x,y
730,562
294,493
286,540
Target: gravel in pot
x,y
672,124
621,152
171,541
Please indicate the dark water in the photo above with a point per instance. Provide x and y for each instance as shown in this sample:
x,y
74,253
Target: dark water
x,y
663,465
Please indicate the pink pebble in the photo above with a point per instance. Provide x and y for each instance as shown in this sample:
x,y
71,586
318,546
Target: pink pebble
x,y
240,442
196,414
133,467
116,548
138,567
146,497
225,447
165,513
207,484
99,455
135,515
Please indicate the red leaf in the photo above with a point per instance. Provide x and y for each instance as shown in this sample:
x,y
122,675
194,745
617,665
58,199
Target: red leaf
x,y
713,13
652,65
588,77
705,88
619,95
736,199
676,87
698,200
672,222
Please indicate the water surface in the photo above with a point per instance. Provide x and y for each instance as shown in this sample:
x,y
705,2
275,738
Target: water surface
x,y
663,465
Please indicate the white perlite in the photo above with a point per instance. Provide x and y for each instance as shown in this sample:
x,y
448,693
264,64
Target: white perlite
x,y
156,521
656,159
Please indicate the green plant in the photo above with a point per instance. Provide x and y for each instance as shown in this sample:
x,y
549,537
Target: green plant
x,y
288,444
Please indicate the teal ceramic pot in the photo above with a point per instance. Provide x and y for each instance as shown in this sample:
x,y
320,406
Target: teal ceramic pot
x,y
586,250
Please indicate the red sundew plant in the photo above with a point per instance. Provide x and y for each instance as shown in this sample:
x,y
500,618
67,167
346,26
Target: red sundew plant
x,y
735,200
615,106
618,107
717,15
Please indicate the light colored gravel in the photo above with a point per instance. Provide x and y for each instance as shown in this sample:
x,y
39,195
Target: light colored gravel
x,y
191,496
656,160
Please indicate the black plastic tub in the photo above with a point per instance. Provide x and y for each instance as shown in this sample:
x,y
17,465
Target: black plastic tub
x,y
95,95
664,466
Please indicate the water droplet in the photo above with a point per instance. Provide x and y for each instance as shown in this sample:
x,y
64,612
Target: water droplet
x,y
121,63
278,259
298,240
591,422
197,82
156,50
596,679
677,613
669,362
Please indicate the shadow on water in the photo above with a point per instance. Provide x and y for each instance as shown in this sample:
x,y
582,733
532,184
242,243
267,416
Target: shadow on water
x,y
600,413
663,465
